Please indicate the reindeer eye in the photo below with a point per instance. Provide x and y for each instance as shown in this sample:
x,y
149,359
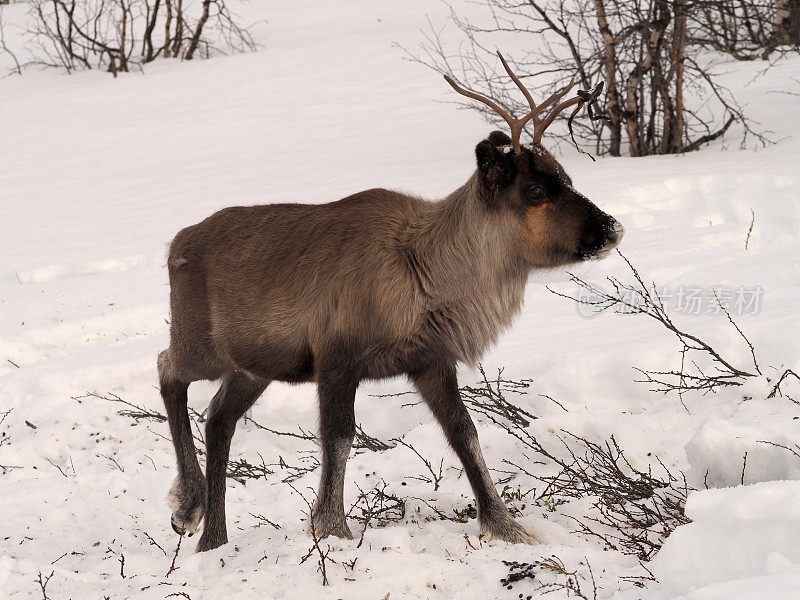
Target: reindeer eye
x,y
536,194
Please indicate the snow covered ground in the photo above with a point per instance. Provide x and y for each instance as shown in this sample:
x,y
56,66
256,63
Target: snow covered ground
x,y
96,176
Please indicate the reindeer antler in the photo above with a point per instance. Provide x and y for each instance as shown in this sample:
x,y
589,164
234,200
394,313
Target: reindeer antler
x,y
539,124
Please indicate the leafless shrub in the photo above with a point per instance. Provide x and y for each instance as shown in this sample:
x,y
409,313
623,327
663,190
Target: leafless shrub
x,y
640,49
307,463
794,450
112,460
153,542
172,567
459,515
378,507
488,397
262,520
307,459
322,555
17,69
513,498
64,470
6,468
117,35
750,229
5,439
43,581
81,35
641,581
435,475
133,411
301,434
745,29
636,510
364,441
777,391
241,470
639,298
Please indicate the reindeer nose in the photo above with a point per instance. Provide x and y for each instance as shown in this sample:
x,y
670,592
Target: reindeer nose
x,y
616,233
601,235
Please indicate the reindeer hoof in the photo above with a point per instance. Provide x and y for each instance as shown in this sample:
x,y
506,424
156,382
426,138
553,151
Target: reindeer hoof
x,y
188,504
176,526
507,530
337,526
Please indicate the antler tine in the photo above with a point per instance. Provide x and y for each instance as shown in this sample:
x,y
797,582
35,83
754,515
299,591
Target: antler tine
x,y
539,125
480,98
518,83
554,98
537,135
516,125
558,95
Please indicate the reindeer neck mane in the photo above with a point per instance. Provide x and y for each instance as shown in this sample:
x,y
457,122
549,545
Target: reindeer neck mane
x,y
468,278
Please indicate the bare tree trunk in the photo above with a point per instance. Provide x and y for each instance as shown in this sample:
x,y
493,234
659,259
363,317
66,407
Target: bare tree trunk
x,y
148,52
167,28
678,52
124,21
176,48
610,75
786,28
633,112
198,32
794,21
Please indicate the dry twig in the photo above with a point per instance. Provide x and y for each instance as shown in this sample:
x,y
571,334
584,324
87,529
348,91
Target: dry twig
x,y
172,567
322,555
376,505
436,476
43,581
642,299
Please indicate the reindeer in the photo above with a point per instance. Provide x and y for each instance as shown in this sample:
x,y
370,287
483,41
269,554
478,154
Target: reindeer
x,y
375,285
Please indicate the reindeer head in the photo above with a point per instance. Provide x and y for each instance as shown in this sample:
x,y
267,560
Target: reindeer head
x,y
555,224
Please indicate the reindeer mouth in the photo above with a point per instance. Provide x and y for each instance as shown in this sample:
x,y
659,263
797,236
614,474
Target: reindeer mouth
x,y
604,251
613,233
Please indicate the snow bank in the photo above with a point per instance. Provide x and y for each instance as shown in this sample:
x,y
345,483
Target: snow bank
x,y
727,452
736,534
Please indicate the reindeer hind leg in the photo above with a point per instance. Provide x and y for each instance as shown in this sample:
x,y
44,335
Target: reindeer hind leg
x,y
187,496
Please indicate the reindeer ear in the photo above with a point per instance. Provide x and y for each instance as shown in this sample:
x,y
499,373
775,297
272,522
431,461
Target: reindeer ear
x,y
498,138
496,164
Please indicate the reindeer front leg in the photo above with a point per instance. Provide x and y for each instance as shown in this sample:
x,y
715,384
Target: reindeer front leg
x,y
337,383
438,386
